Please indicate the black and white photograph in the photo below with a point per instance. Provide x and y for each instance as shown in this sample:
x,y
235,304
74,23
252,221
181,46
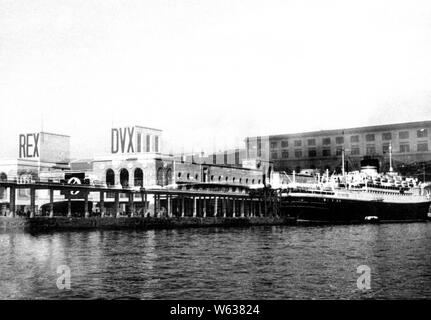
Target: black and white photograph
x,y
232,152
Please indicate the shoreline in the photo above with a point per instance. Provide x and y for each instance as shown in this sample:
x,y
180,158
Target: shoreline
x,y
24,224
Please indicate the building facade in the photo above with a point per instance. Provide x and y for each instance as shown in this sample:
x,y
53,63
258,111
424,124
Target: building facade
x,y
410,142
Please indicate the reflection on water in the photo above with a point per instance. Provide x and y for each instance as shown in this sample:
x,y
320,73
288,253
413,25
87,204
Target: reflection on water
x,y
220,263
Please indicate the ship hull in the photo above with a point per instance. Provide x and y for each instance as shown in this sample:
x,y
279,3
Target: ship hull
x,y
333,210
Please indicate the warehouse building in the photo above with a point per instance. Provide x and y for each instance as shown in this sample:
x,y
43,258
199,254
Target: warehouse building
x,y
323,150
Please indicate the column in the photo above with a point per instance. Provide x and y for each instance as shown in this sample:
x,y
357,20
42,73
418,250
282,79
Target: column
x,y
204,207
169,199
215,206
69,205
224,205
12,201
102,204
131,204
32,202
242,207
117,204
87,214
183,209
194,207
260,207
51,203
144,203
233,207
155,205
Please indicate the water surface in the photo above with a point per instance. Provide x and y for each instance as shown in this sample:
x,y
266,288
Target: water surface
x,y
282,262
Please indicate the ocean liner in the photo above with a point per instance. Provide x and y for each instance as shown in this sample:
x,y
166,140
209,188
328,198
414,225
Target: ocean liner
x,y
357,197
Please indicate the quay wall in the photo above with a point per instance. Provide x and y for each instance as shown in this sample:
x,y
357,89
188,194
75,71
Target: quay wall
x,y
9,224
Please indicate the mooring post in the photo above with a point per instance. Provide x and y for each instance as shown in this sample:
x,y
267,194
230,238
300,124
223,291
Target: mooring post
x,y
102,204
51,203
32,202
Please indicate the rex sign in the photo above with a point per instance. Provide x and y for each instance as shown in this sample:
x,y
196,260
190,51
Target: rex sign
x,y
29,145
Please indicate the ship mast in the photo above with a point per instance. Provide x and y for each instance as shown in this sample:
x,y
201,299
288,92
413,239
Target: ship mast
x,y
342,159
390,157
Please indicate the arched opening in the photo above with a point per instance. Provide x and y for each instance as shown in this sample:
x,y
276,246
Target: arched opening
x,y
188,176
168,176
179,174
196,177
138,178
124,177
110,177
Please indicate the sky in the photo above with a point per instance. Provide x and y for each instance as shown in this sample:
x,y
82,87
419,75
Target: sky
x,y
210,72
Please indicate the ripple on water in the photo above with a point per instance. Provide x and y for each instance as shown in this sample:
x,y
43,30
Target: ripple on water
x,y
221,263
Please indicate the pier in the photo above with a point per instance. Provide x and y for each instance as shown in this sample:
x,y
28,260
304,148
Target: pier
x,y
188,205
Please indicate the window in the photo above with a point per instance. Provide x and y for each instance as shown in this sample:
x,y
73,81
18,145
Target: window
x,y
386,136
311,142
259,146
339,140
139,142
326,141
156,143
354,151
273,145
298,143
370,137
371,149
285,154
298,153
404,148
326,152
284,144
312,153
404,135
354,139
385,148
148,143
422,146
274,155
422,133
339,151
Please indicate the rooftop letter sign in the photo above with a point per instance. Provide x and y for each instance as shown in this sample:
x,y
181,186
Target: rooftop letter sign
x,y
29,145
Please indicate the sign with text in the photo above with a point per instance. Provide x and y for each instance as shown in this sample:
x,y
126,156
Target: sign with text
x,y
134,140
29,145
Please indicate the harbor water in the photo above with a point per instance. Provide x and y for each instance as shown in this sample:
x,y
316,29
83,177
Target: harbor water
x,y
278,262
